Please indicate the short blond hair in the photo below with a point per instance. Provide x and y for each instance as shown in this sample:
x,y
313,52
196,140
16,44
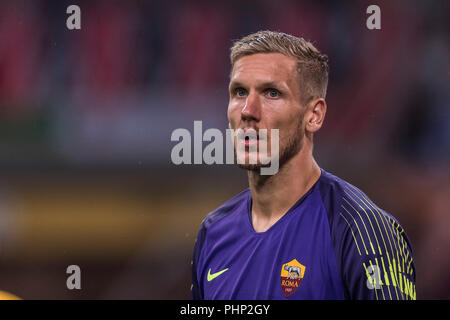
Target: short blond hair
x,y
312,66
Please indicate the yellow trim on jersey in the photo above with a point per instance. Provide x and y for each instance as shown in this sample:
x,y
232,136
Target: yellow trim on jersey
x,y
359,251
367,232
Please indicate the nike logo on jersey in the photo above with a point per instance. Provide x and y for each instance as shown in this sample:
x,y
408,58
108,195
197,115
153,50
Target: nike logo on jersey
x,y
211,277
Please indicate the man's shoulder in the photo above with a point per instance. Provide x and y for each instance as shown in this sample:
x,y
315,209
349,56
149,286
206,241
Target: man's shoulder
x,y
343,200
365,237
225,209
329,184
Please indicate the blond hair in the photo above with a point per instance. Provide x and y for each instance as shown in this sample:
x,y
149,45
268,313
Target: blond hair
x,y
312,66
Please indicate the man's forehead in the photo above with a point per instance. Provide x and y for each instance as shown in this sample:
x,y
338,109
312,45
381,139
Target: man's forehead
x,y
267,66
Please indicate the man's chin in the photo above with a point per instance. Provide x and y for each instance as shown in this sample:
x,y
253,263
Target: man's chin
x,y
249,167
245,163
253,167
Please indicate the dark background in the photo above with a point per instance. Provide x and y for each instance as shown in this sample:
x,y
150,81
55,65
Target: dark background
x,y
86,118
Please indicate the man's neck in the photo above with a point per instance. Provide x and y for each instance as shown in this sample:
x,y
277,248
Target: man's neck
x,y
273,196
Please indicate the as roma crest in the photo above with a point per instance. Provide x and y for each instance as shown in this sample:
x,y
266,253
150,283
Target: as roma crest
x,y
292,274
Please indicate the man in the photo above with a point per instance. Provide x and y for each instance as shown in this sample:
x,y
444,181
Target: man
x,y
301,233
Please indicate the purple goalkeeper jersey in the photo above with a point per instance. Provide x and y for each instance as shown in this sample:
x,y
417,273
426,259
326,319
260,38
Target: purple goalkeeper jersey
x,y
334,243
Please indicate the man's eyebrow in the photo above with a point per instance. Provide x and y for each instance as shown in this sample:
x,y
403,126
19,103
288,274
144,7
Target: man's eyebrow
x,y
272,84
234,85
262,85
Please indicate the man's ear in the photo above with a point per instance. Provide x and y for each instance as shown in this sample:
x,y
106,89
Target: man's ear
x,y
315,115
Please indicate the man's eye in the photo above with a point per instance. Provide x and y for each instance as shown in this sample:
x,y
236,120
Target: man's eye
x,y
273,93
240,92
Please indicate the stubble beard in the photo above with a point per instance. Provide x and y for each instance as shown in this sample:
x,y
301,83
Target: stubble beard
x,y
292,148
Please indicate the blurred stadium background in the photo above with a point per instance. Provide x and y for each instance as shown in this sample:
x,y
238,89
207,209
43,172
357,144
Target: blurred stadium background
x,y
86,118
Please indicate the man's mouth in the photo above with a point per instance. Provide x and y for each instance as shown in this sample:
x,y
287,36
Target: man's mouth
x,y
251,141
251,137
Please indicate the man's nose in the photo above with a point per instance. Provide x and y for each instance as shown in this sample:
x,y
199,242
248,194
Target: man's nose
x,y
252,108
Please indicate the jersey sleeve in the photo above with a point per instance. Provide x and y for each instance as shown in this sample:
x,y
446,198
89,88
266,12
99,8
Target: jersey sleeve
x,y
196,287
374,253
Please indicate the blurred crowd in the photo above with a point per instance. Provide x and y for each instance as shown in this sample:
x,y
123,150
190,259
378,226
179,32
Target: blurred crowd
x,y
82,110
